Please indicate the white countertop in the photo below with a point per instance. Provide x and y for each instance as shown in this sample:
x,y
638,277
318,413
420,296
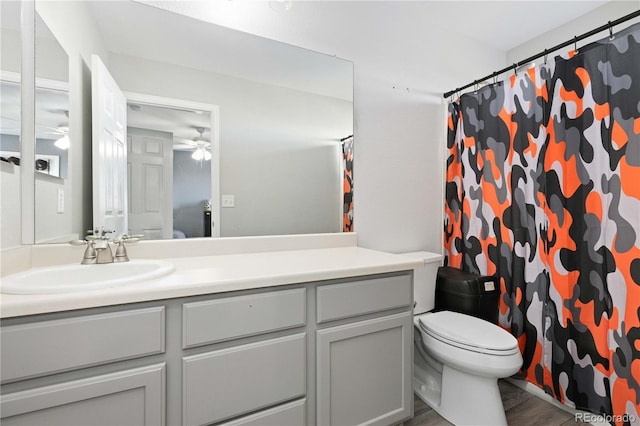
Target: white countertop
x,y
218,274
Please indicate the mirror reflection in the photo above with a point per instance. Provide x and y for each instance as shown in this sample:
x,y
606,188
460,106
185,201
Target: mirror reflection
x,y
10,123
52,184
169,186
274,138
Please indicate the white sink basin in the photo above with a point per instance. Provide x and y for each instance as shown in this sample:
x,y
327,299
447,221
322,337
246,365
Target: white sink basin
x,y
75,278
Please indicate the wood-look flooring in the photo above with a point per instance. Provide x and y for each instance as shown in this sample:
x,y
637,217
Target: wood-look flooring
x,y
521,408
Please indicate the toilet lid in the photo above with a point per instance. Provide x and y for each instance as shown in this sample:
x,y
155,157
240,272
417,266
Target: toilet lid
x,y
468,332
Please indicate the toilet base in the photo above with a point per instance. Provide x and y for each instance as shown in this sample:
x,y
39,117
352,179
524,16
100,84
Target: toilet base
x,y
464,399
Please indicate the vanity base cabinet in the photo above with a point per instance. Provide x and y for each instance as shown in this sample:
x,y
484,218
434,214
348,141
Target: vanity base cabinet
x,y
364,372
335,352
132,397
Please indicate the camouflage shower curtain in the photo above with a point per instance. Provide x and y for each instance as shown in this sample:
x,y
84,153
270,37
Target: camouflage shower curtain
x,y
347,185
543,190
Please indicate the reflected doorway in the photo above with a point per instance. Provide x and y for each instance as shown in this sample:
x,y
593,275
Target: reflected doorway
x,y
173,168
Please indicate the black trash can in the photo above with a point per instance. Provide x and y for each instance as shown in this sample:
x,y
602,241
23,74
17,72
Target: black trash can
x,y
467,293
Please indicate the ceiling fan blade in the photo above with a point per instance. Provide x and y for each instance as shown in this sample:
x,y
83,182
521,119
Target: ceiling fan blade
x,y
183,147
185,141
51,129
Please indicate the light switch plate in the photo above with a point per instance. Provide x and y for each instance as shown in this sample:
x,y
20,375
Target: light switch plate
x,y
228,201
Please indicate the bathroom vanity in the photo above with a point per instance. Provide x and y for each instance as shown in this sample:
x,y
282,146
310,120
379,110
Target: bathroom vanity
x,y
314,336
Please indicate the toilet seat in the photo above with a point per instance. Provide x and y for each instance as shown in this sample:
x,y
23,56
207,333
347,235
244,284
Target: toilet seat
x,y
468,333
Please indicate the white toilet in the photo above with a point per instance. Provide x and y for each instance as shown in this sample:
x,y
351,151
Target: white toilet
x,y
458,358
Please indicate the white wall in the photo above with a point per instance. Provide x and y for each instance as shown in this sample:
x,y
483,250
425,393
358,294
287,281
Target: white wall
x,y
52,61
279,148
10,44
52,226
600,16
191,190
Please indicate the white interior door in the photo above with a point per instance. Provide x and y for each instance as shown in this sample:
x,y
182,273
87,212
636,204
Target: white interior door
x,y
150,177
109,150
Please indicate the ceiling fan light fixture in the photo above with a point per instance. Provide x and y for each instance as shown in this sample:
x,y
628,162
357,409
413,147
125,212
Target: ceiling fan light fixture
x,y
63,143
198,154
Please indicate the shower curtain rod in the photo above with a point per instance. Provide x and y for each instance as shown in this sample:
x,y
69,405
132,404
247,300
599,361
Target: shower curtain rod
x,y
545,52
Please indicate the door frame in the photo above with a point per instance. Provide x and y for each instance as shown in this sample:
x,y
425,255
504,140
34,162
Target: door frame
x,y
214,111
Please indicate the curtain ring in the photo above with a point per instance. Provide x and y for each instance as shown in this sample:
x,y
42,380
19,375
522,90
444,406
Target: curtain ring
x,y
611,37
515,68
575,43
545,56
495,78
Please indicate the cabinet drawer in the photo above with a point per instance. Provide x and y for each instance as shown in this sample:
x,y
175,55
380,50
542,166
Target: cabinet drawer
x,y
360,297
45,347
229,318
230,382
130,397
291,414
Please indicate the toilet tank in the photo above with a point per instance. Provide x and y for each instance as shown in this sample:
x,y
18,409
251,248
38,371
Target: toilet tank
x,y
424,280
467,293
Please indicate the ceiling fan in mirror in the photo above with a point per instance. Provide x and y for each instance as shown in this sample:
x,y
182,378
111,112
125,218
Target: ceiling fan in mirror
x,y
59,133
200,145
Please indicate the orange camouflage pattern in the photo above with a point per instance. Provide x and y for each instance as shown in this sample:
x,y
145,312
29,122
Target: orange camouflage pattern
x,y
543,190
347,182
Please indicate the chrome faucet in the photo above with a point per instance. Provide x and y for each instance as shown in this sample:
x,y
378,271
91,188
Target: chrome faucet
x,y
98,249
121,250
102,249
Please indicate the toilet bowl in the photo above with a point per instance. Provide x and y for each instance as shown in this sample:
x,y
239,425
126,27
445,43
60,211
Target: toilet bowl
x,y
458,361
458,358
469,344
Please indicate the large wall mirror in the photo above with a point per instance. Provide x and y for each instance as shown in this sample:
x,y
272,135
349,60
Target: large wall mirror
x,y
220,124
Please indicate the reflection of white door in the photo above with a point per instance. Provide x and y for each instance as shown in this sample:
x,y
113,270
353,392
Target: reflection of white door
x,y
109,150
150,173
214,115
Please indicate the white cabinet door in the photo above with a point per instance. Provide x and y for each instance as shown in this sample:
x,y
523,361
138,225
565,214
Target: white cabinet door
x,y
364,372
109,150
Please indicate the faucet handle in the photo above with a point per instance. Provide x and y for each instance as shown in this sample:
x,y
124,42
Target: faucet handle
x,y
90,255
138,236
121,251
130,238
